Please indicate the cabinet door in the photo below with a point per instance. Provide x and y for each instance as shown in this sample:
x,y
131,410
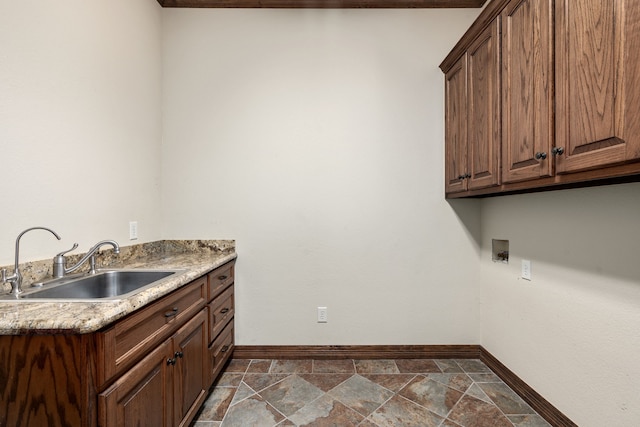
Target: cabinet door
x,y
143,395
456,127
597,54
527,93
191,376
483,103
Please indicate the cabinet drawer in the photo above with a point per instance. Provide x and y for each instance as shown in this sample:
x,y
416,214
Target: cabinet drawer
x,y
120,346
220,351
221,309
220,278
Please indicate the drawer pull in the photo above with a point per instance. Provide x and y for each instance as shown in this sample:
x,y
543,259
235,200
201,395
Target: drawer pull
x,y
171,362
224,310
222,277
171,313
178,354
224,349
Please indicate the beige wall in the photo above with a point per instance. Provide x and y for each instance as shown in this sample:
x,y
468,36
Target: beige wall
x,y
79,122
572,331
314,138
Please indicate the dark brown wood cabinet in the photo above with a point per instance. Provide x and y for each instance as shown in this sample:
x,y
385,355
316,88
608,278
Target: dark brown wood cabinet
x,y
527,90
569,92
151,368
473,103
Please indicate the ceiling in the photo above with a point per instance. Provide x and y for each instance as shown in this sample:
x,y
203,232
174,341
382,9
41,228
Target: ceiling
x,y
326,4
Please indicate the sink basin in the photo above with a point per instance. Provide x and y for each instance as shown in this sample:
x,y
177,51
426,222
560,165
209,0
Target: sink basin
x,y
109,284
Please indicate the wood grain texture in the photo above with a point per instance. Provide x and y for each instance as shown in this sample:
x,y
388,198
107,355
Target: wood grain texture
x,y
46,380
527,90
542,406
324,4
357,352
483,107
455,117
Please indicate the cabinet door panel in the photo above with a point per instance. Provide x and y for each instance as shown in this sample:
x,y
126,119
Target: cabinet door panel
x,y
142,396
596,52
456,127
527,98
191,378
484,109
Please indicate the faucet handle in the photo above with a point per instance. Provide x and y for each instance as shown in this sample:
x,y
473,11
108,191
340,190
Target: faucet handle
x,y
75,245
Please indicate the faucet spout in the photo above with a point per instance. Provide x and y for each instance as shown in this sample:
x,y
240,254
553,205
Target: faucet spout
x,y
59,269
16,278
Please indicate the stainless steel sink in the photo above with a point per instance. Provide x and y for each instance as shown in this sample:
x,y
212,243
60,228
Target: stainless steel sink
x,y
110,284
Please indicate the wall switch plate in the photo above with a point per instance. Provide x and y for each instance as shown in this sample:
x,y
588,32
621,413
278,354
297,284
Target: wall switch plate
x,y
133,230
322,315
526,269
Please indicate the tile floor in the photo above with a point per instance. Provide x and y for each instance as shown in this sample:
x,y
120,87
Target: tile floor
x,y
365,393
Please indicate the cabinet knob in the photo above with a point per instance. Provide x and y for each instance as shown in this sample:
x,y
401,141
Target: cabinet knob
x,y
172,312
466,175
462,176
222,277
224,310
541,156
178,354
171,362
224,349
557,151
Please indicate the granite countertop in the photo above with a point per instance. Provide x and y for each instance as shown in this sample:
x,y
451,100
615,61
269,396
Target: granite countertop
x,y
194,258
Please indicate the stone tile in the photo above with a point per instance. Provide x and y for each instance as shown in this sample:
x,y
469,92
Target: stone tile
x,y
477,392
485,378
254,412
448,366
325,382
472,412
217,404
334,367
402,412
229,379
473,366
533,420
417,366
291,394
361,395
259,382
449,423
242,392
205,424
326,412
506,399
286,423
259,366
460,382
376,367
237,365
291,367
432,395
393,382
367,423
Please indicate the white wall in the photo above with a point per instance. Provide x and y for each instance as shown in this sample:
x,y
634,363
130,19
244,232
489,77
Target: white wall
x,y
572,331
314,138
80,122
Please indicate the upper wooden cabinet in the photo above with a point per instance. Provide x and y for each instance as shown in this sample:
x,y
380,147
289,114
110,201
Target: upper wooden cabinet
x,y
597,76
473,102
527,97
568,72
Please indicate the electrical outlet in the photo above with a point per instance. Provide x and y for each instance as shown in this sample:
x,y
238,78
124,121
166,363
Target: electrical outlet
x,y
322,315
526,269
133,230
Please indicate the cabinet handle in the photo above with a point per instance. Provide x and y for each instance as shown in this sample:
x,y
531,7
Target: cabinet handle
x,y
171,362
178,354
222,277
224,310
541,156
224,349
466,175
557,151
461,176
171,313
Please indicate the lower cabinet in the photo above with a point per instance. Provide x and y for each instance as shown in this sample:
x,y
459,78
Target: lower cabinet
x,y
167,387
152,368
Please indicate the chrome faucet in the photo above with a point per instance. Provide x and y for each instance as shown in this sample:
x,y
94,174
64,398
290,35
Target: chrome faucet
x,y
16,278
59,269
